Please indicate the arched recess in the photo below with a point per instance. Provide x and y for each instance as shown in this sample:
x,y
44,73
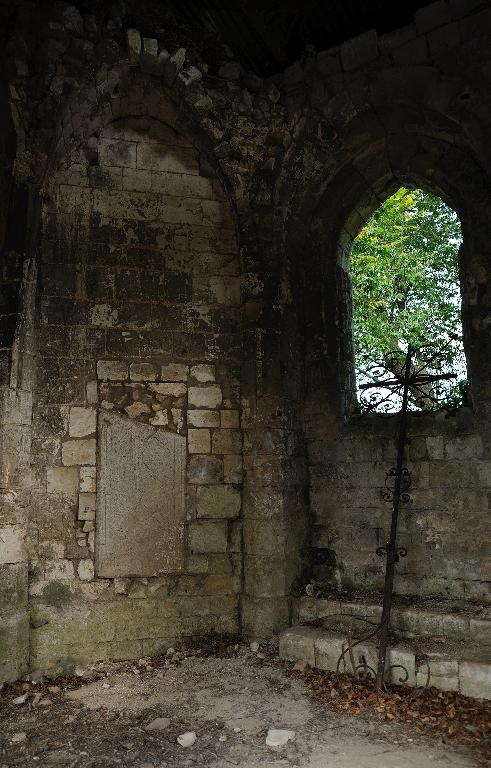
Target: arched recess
x,y
445,528
140,325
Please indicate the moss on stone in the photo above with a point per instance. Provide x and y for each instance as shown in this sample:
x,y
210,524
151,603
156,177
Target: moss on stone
x,y
57,594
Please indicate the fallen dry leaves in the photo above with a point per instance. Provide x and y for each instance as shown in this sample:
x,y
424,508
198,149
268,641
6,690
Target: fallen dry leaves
x,y
446,713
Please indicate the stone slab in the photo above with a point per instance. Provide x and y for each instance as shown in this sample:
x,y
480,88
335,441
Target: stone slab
x,y
298,644
321,648
475,679
140,499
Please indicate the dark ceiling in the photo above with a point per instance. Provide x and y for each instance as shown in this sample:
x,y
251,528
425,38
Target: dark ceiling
x,y
266,35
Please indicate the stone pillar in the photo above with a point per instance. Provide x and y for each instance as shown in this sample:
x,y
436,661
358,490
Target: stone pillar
x,y
275,529
15,428
14,617
15,441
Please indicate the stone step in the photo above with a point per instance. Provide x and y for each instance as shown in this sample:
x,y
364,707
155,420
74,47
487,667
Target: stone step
x,y
463,623
452,667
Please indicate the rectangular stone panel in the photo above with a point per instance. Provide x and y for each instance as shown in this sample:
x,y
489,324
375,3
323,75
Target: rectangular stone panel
x,y
140,499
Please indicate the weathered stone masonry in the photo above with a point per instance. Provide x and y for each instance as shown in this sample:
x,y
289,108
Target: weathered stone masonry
x,y
179,319
140,282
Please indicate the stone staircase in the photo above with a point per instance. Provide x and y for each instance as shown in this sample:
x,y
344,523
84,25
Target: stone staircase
x,y
448,646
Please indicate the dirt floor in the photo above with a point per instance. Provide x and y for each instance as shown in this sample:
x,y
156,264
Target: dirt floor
x,y
100,718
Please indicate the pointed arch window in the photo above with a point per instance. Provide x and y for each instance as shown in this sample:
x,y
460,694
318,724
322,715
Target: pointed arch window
x,y
406,290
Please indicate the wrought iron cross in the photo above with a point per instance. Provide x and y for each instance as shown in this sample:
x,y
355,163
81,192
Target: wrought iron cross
x,y
409,379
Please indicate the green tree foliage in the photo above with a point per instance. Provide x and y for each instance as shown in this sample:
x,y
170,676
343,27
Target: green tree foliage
x,y
404,270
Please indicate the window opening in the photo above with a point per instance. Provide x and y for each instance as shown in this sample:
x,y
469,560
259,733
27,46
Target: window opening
x,y
406,292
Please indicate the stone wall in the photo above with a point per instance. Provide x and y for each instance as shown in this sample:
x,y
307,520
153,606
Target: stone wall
x,y
390,112
444,526
139,298
157,166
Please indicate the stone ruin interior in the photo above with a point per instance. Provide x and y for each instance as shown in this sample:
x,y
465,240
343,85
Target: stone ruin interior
x,y
180,453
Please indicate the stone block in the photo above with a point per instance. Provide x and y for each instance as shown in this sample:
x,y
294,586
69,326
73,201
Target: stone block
x,y
199,441
208,537
182,185
227,441
475,679
462,448
197,564
142,372
11,544
121,586
103,316
203,373
442,39
455,627
444,673
137,409
136,180
265,577
161,419
82,421
14,646
402,660
328,649
484,473
225,290
13,588
140,499
174,372
298,644
434,15
317,608
442,666
198,418
63,480
264,538
86,569
155,157
229,419
221,501
134,45
75,452
460,8
88,479
59,570
205,397
169,389
119,153
86,506
265,617
150,46
91,392
112,369
413,52
480,631
359,50
232,469
235,537
435,447
219,584
205,470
